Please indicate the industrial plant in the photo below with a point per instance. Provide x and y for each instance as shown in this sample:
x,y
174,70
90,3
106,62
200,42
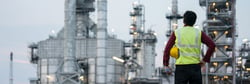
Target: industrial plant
x,y
84,53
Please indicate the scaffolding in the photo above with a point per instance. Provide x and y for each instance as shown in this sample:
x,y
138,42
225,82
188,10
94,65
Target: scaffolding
x,y
220,26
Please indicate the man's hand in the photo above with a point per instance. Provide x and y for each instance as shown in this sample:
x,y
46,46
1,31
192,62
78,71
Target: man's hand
x,y
202,63
168,70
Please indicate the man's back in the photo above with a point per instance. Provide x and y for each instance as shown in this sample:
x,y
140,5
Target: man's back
x,y
188,41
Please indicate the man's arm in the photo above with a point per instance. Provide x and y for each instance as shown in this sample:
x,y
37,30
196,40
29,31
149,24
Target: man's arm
x,y
210,44
168,47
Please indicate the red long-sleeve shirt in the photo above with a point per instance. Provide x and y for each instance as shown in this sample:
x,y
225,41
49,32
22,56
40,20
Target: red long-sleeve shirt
x,y
204,39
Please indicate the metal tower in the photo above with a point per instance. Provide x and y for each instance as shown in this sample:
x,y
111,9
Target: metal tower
x,y
69,74
143,48
220,26
173,18
77,25
101,60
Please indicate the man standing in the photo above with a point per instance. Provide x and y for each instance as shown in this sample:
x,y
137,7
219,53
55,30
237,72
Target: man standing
x,y
188,41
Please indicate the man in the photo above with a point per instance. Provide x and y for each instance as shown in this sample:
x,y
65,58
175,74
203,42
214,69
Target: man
x,y
188,41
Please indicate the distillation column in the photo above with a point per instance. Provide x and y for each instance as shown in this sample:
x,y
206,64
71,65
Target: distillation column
x,y
69,36
143,45
101,68
137,31
173,18
69,68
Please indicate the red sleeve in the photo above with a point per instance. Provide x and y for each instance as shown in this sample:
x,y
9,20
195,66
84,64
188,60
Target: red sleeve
x,y
210,44
166,52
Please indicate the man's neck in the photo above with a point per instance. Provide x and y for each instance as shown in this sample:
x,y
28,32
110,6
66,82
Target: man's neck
x,y
187,26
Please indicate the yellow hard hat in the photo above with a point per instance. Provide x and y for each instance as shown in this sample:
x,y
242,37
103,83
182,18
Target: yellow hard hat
x,y
174,52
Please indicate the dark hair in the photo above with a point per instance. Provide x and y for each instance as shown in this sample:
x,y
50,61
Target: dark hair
x,y
189,18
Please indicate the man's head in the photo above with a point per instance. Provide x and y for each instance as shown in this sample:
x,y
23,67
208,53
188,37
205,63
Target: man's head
x,y
189,18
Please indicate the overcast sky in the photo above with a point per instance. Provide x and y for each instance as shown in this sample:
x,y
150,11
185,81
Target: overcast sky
x,y
25,21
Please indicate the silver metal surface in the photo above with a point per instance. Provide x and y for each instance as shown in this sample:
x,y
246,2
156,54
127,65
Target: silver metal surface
x,y
101,59
69,36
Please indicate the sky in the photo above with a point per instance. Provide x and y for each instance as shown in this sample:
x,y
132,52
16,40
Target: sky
x,y
25,21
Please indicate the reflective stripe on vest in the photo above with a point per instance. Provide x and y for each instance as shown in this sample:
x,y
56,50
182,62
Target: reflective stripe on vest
x,y
188,41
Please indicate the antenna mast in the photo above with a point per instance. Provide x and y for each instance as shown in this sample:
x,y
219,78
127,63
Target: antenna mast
x,y
11,68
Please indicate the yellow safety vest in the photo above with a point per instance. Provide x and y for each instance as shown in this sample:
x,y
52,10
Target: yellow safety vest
x,y
188,41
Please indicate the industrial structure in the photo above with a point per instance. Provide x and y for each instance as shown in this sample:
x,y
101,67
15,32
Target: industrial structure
x,y
142,49
84,53
243,63
220,26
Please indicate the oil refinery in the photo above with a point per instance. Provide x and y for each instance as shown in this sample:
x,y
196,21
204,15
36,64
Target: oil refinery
x,y
84,53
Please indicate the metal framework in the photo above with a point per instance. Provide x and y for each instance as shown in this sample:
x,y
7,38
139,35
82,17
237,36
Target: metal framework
x,y
243,63
143,49
220,26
